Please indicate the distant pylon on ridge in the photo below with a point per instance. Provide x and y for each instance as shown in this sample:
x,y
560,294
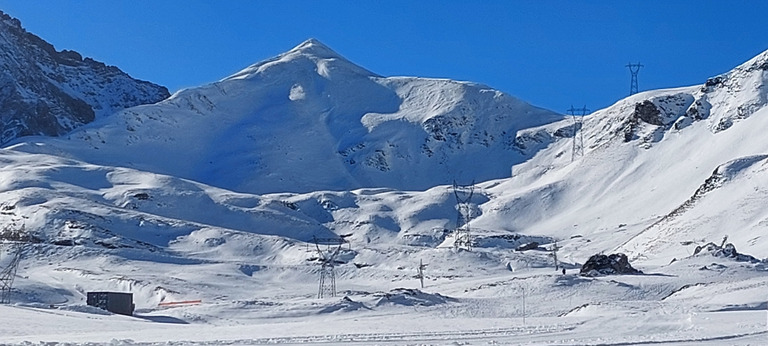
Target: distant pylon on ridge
x,y
577,115
633,70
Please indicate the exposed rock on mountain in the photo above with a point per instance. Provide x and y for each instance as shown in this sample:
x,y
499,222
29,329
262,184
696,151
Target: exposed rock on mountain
x,y
48,92
721,101
726,251
612,264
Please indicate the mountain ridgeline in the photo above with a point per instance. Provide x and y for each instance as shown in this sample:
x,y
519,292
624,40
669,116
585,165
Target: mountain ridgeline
x,y
310,120
48,92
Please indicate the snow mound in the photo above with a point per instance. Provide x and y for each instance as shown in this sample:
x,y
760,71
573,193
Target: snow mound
x,y
411,297
346,304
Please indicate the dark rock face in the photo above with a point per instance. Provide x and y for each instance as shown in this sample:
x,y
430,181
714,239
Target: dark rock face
x,y
648,112
49,93
613,264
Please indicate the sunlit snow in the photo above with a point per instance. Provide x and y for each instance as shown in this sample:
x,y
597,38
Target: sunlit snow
x,y
218,193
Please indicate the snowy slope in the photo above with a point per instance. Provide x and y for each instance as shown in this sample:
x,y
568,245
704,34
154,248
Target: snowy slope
x,y
313,146
645,157
310,110
48,92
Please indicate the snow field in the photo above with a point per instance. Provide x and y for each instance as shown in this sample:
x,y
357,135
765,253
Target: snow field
x,y
246,172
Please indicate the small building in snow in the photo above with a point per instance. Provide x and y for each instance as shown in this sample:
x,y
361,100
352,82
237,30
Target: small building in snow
x,y
116,302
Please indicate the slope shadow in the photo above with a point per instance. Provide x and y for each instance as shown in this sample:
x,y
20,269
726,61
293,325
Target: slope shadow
x,y
743,307
659,274
162,319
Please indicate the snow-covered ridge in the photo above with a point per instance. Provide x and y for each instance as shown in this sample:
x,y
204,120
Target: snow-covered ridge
x,y
721,102
49,92
310,110
313,51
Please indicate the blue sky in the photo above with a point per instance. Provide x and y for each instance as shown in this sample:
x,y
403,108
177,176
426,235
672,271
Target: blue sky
x,y
549,53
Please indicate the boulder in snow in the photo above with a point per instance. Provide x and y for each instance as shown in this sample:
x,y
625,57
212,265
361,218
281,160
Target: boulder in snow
x,y
612,264
726,251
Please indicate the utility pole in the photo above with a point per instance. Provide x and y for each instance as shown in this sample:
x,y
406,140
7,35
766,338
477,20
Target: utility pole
x,y
633,69
577,115
422,266
554,255
523,289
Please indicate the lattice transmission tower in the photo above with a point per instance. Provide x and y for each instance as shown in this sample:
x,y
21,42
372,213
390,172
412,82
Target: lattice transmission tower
x,y
10,264
327,284
463,237
577,115
633,70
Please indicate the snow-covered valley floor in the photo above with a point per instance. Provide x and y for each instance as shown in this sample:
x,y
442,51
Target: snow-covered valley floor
x,y
697,300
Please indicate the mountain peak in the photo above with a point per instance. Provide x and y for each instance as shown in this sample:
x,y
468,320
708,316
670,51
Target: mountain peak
x,y
310,54
314,47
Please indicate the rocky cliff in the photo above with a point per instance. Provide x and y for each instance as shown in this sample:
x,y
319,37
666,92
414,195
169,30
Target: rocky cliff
x,y
48,92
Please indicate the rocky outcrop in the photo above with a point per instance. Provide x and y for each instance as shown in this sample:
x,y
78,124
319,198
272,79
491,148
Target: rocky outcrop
x,y
652,117
48,92
725,251
613,264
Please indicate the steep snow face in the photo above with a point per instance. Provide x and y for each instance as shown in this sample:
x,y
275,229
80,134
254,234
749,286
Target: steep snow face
x,y
45,92
648,161
310,120
729,203
738,94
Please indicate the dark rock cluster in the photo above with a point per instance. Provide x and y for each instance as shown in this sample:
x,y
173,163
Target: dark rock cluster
x,y
613,264
725,251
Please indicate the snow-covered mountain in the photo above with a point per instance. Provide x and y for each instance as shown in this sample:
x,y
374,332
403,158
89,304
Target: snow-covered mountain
x,y
311,120
219,192
648,169
48,92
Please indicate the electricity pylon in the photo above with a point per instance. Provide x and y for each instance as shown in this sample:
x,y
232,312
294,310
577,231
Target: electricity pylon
x,y
8,273
463,238
327,284
577,115
633,69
